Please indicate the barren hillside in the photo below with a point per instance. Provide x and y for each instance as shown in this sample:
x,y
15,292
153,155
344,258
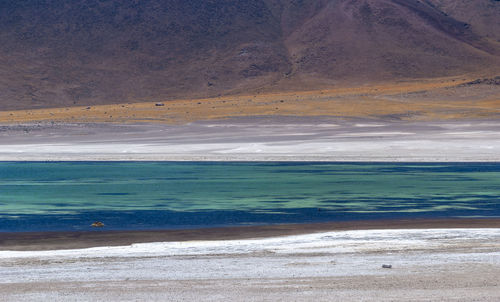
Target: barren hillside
x,y
83,52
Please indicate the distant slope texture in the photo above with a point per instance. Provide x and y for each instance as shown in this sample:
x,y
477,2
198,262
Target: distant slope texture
x,y
82,52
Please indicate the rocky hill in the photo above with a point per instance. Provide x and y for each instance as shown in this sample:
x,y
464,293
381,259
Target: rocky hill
x,y
83,52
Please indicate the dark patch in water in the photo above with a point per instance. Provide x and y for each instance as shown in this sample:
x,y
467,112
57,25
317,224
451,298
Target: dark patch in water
x,y
275,201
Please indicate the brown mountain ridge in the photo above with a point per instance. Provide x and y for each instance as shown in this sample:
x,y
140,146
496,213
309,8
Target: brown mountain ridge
x,y
71,53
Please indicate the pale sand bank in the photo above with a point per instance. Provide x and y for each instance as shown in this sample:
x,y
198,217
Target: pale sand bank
x,y
256,139
427,265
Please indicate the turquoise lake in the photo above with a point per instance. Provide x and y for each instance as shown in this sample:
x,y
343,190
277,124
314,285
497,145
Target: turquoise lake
x,y
55,196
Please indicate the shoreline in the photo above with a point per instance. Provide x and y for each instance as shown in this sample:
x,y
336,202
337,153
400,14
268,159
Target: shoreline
x,y
43,241
424,265
250,158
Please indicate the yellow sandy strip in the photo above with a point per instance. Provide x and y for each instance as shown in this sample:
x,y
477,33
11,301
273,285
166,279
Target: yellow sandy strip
x,y
364,101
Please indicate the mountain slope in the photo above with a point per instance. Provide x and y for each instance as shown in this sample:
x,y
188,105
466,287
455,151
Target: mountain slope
x,y
60,53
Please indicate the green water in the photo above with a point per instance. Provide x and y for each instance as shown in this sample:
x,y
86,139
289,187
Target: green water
x,y
64,195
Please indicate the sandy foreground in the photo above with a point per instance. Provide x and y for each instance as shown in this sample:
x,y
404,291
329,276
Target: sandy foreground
x,y
256,139
461,264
